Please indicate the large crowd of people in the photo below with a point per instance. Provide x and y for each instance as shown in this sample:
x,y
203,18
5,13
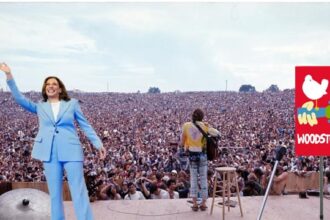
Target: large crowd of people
x,y
141,132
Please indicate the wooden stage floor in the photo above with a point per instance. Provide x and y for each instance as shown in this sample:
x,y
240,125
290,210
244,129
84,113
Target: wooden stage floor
x,y
288,207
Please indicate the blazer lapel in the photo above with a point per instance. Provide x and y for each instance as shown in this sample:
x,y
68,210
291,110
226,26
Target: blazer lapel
x,y
63,108
46,107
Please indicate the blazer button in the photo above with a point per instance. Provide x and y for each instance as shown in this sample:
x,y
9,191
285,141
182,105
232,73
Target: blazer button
x,y
56,132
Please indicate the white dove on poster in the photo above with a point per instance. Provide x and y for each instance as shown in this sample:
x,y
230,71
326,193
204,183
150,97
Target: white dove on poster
x,y
312,89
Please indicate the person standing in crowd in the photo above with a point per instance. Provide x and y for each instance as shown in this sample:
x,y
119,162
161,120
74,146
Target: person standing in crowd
x,y
158,193
171,185
109,192
133,194
57,143
194,143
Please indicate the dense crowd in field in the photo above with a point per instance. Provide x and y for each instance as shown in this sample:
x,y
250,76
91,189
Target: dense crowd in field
x,y
141,133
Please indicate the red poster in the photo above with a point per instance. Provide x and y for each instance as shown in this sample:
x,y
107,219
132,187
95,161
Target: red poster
x,y
312,111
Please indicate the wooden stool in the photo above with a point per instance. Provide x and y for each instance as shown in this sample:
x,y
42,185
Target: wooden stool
x,y
229,179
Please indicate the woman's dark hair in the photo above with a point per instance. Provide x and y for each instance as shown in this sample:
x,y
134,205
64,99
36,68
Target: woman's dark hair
x,y
170,181
197,115
258,172
153,188
327,174
109,191
63,95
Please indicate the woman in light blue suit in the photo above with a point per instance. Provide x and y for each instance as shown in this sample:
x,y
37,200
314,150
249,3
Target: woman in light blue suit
x,y
57,143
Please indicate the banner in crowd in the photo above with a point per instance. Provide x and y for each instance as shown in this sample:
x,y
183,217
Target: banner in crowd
x,y
312,111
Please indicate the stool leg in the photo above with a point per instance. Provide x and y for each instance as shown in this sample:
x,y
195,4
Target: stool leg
x,y
214,190
238,196
228,189
223,194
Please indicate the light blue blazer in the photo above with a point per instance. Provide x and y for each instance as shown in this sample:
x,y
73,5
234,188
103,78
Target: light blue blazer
x,y
62,132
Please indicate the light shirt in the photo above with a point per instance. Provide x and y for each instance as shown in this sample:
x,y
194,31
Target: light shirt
x,y
55,108
138,195
162,195
176,195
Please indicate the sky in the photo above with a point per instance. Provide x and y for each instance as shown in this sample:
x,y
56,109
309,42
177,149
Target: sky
x,y
129,47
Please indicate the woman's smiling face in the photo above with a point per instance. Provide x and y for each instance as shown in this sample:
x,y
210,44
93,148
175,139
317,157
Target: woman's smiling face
x,y
53,89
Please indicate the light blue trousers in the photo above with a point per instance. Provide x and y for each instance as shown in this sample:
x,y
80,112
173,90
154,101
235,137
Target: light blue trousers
x,y
54,175
199,169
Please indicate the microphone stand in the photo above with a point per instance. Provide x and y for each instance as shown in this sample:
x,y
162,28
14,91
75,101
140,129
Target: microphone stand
x,y
279,155
321,187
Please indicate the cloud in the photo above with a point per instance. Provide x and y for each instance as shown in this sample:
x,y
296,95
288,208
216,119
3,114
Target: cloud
x,y
170,45
310,46
130,71
136,20
49,34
